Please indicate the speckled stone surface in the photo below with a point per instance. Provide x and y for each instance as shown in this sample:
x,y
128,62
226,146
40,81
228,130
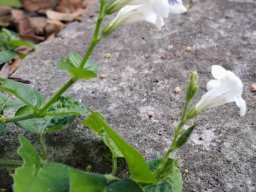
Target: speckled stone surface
x,y
135,92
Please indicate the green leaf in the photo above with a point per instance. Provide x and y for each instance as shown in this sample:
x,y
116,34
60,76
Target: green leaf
x,y
66,106
176,180
111,145
20,43
11,3
107,140
139,170
160,187
72,63
125,185
86,182
184,136
7,103
170,179
11,34
23,92
2,128
35,176
41,125
6,56
75,59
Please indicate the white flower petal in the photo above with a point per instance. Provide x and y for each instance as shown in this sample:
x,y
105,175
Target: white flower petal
x,y
218,71
240,102
212,84
176,7
160,7
228,88
153,11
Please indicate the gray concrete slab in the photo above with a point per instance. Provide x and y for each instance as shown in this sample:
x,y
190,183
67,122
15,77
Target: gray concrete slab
x,y
137,95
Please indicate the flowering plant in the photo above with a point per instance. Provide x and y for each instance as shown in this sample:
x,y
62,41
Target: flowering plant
x,y
36,172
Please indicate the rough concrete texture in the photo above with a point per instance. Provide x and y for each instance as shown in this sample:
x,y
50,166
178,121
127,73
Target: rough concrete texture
x,y
136,95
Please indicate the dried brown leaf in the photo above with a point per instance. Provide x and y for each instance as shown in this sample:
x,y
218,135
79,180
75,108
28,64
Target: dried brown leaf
x,y
54,15
69,6
53,26
38,24
5,16
36,5
22,22
14,66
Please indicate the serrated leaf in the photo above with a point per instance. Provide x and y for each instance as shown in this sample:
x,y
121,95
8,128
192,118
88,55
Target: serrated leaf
x,y
23,92
72,63
41,125
35,176
169,180
125,185
86,182
66,106
139,170
6,56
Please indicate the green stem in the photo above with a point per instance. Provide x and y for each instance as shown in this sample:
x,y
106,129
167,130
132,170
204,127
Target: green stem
x,y
10,163
94,42
56,96
19,118
96,38
114,165
44,147
172,148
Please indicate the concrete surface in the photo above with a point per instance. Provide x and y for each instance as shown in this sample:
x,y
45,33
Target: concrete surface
x,y
136,94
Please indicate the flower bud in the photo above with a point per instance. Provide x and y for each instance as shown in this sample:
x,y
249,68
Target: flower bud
x,y
192,87
182,139
115,6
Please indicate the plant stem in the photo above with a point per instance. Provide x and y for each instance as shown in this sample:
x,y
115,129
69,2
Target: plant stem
x,y
56,96
114,165
44,147
172,148
10,163
96,38
19,118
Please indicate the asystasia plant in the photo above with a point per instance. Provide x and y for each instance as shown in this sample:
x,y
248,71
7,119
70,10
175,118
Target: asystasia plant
x,y
37,173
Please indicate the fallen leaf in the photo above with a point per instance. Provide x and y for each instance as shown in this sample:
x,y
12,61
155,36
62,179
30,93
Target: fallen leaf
x,y
36,5
33,38
53,26
38,24
5,16
22,22
54,15
69,6
5,10
14,66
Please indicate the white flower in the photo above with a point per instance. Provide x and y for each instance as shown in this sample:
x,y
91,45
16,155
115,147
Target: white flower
x,y
153,11
225,88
